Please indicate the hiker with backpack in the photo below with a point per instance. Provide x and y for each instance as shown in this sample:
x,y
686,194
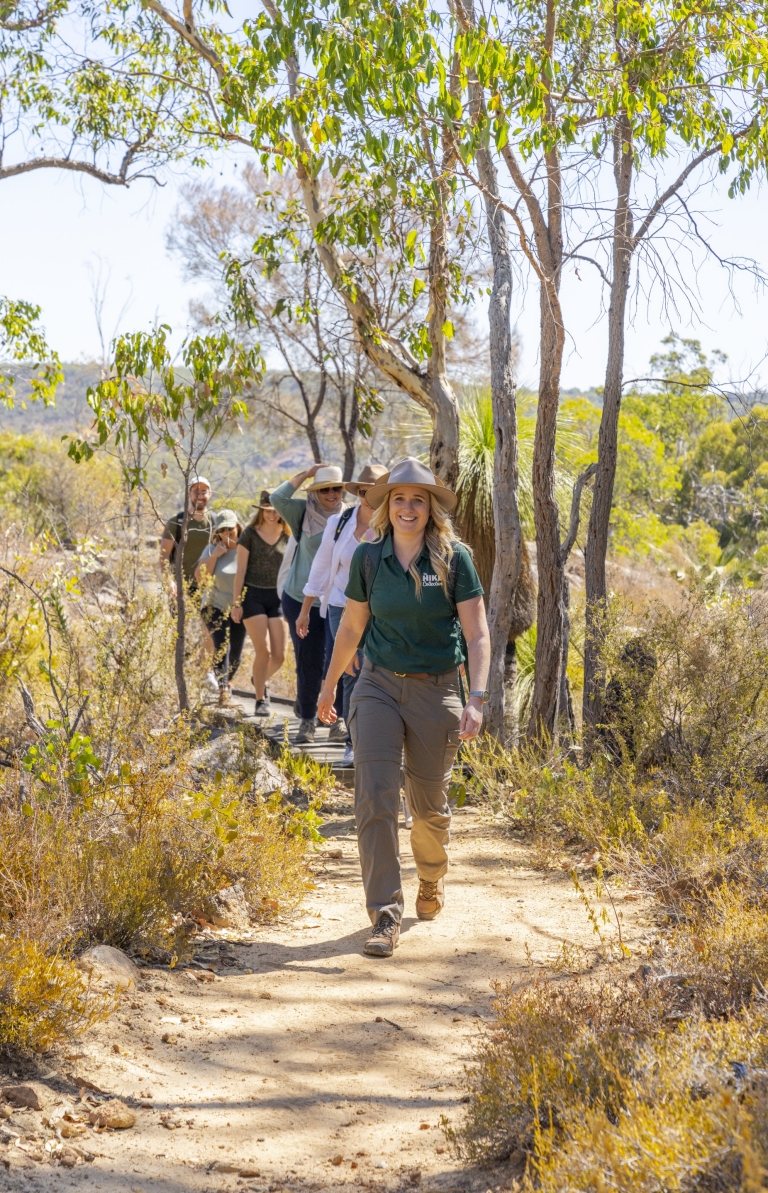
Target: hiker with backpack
x,y
199,532
328,578
416,590
307,518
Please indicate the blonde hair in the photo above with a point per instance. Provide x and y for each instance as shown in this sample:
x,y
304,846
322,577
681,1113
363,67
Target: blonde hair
x,y
439,539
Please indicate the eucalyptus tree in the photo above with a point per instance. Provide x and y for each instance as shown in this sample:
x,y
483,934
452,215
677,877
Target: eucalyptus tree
x,y
23,342
570,92
527,64
74,96
680,90
146,406
253,244
351,90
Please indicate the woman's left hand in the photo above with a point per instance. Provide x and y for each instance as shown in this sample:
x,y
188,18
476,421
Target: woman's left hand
x,y
471,720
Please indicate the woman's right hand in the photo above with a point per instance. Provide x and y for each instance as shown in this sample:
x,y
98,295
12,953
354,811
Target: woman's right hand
x,y
302,624
325,710
236,613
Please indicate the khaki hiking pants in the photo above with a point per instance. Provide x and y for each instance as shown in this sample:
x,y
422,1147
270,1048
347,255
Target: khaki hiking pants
x,y
391,714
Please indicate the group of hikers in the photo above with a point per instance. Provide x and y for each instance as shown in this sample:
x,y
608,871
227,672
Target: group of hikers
x,y
386,616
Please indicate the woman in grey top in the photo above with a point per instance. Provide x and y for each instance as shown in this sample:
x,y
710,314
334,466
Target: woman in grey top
x,y
219,561
307,518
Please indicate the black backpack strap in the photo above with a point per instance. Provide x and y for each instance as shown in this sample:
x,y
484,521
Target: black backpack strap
x,y
301,523
371,561
176,523
453,571
343,521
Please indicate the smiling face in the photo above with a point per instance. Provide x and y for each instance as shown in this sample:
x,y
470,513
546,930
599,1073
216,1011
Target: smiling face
x,y
269,516
409,509
329,496
199,496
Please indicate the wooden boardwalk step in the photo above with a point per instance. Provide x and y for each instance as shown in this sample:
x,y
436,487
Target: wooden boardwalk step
x,y
274,727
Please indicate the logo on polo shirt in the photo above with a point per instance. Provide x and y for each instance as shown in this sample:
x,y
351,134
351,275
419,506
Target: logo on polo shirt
x,y
430,580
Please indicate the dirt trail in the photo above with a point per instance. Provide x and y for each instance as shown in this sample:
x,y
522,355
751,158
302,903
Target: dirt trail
x,y
321,1052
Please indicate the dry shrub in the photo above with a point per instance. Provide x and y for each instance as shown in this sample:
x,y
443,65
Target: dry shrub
x,y
120,860
553,1046
658,1082
694,1116
587,1084
43,997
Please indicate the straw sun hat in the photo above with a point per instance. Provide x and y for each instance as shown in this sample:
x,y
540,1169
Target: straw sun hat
x,y
329,474
411,471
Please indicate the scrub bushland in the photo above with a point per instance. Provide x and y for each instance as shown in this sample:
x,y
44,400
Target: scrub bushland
x,y
114,826
647,1072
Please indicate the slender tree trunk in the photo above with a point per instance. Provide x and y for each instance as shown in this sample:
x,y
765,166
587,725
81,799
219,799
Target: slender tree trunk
x,y
508,538
314,443
348,427
607,451
511,718
550,610
181,606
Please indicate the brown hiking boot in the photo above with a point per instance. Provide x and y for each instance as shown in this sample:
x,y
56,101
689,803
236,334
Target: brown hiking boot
x,y
384,939
430,899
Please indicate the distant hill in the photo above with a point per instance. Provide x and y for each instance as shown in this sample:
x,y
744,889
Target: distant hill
x,y
71,412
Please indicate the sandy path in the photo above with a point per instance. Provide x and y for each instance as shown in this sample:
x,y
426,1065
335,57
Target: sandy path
x,y
348,1057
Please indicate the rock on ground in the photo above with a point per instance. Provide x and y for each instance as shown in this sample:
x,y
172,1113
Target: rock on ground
x,y
228,908
109,966
230,753
31,1095
114,1114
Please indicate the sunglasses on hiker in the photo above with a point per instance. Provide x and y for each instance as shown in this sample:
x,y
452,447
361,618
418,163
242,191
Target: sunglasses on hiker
x,y
331,489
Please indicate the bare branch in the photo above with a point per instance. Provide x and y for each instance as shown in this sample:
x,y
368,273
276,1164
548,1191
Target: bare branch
x,y
573,528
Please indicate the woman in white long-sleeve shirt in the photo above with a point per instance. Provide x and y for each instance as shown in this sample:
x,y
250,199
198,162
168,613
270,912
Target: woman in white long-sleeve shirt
x,y
330,572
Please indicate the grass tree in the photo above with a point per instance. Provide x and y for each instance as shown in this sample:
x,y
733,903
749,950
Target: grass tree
x,y
146,407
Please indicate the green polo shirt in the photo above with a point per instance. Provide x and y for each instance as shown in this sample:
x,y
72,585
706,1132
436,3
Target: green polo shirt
x,y
407,632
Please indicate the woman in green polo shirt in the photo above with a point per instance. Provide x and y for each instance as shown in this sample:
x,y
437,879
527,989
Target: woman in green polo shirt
x,y
418,587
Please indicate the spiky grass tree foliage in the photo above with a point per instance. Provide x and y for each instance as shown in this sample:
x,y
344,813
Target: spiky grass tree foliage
x,y
474,515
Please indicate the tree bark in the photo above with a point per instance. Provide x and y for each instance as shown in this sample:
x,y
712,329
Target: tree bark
x,y
348,426
508,537
181,606
550,610
607,451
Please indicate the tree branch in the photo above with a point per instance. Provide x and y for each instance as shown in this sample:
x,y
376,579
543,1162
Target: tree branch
x,y
188,31
573,529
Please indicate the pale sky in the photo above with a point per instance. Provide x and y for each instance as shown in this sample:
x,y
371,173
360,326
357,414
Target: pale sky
x,y
55,226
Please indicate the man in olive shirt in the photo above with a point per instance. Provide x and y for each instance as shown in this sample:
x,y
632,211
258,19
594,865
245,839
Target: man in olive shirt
x,y
199,529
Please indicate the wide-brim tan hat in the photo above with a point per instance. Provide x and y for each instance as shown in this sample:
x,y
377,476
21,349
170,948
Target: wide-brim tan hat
x,y
264,502
369,475
329,474
411,471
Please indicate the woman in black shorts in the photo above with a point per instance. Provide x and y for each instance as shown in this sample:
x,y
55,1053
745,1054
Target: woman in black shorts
x,y
260,551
